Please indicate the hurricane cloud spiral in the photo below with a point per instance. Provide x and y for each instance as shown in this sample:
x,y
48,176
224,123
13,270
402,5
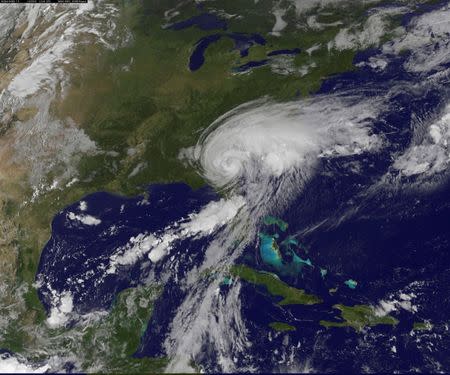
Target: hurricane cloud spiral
x,y
263,140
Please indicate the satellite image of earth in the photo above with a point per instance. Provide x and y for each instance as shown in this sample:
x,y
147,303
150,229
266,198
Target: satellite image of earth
x,y
225,186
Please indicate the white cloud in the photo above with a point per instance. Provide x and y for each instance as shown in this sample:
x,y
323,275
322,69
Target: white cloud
x,y
305,5
391,304
158,245
12,365
51,47
427,39
62,306
370,34
280,23
429,152
385,307
213,215
262,139
85,219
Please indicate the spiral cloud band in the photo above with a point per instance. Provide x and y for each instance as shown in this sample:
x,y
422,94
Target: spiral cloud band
x,y
264,139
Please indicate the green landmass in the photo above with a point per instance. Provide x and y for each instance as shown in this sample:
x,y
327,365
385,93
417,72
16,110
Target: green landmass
x,y
359,317
422,326
117,337
276,287
281,327
108,343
